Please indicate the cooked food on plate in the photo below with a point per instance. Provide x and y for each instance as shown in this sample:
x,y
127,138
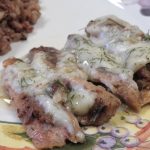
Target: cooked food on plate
x,y
17,18
54,92
47,122
105,68
111,53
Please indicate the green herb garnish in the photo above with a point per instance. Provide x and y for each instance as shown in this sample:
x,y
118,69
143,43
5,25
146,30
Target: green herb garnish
x,y
23,82
147,36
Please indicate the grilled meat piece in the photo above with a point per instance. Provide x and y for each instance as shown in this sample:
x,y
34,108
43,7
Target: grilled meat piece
x,y
36,108
106,68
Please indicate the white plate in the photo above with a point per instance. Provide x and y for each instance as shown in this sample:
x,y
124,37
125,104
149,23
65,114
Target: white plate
x,y
62,17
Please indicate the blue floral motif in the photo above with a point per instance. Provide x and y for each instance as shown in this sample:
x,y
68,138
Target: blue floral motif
x,y
142,123
106,142
136,120
117,138
130,141
119,132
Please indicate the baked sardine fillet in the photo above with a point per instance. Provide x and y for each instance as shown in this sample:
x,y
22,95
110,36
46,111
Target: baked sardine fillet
x,y
47,122
92,105
104,67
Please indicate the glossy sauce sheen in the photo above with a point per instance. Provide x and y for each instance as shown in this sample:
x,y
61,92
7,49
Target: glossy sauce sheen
x,y
81,100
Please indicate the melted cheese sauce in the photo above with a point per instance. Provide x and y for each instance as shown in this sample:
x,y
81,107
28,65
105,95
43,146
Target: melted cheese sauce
x,y
19,75
115,39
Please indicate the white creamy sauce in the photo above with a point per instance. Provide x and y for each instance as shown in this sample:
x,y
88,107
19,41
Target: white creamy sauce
x,y
125,59
37,86
60,117
113,47
114,34
138,57
91,56
81,99
67,66
19,75
34,79
39,64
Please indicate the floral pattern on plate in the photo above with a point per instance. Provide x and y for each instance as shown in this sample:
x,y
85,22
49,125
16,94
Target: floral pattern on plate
x,y
125,131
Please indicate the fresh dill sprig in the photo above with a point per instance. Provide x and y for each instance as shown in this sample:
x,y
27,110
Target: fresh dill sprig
x,y
147,36
23,82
